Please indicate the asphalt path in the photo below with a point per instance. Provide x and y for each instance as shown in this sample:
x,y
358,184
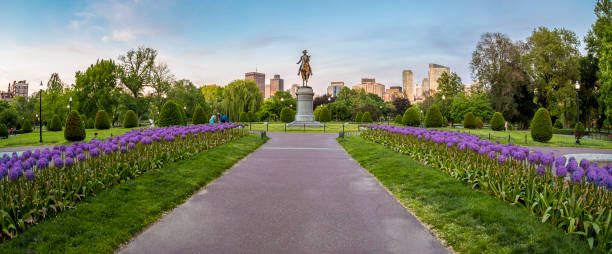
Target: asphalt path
x,y
298,193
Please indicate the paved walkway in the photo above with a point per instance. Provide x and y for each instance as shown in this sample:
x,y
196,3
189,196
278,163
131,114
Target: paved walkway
x,y
569,150
299,193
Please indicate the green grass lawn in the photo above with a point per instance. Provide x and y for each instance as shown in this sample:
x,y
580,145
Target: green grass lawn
x,y
101,223
519,138
55,137
468,220
331,127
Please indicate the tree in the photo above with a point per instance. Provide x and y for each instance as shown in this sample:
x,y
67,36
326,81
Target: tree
x,y
161,82
497,122
90,123
478,123
469,121
213,95
412,117
401,104
340,111
450,85
433,117
325,115
541,126
244,118
25,107
94,88
322,100
199,116
74,131
317,113
170,114
287,115
599,44
589,91
3,131
9,117
26,127
398,120
367,118
358,117
102,121
186,94
137,67
56,124
55,83
241,96
130,120
252,116
579,131
478,104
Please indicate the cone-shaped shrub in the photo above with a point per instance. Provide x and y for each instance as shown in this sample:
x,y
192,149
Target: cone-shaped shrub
x,y
325,115
74,131
55,124
498,122
102,120
317,113
558,124
399,119
478,123
469,121
130,120
26,127
199,116
358,117
170,114
244,117
579,130
367,118
3,131
90,123
183,115
287,115
541,126
433,117
412,117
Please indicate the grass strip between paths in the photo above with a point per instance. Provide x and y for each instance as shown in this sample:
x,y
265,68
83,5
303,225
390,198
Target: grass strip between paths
x,y
468,220
102,223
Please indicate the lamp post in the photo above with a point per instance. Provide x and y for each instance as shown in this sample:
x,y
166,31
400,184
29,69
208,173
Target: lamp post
x,y
577,115
422,118
443,99
40,111
70,103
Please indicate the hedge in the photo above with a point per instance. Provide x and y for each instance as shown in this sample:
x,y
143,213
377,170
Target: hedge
x,y
170,114
399,119
433,117
411,117
130,120
541,126
366,118
498,122
102,120
26,127
199,116
358,117
74,131
244,118
56,124
325,115
469,121
558,124
287,115
90,123
479,123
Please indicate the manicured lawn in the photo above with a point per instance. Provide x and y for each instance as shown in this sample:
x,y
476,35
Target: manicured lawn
x,y
518,138
467,220
331,127
100,224
55,137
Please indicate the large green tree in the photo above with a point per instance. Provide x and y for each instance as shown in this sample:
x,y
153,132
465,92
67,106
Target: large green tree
x,y
241,96
137,66
186,94
599,44
95,89
450,84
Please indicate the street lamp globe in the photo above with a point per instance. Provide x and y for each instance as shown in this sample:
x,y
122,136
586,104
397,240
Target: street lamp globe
x,y
70,99
577,86
443,97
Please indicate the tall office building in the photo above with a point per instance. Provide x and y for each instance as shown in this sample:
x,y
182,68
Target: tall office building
x,y
435,71
276,84
18,88
369,85
260,80
393,93
267,92
425,87
408,84
335,88
293,90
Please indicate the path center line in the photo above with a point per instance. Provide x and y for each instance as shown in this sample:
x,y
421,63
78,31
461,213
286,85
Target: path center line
x,y
297,148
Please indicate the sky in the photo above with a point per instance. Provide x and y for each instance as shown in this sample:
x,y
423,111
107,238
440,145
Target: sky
x,y
215,42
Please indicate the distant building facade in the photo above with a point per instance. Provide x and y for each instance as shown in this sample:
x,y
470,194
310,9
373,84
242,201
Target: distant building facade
x,y
435,71
293,90
260,80
335,88
369,85
267,92
408,84
276,84
17,88
393,93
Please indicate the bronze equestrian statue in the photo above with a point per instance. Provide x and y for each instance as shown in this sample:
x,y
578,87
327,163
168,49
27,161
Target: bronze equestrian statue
x,y
305,69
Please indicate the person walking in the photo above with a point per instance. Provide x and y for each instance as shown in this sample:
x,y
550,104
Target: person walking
x,y
212,120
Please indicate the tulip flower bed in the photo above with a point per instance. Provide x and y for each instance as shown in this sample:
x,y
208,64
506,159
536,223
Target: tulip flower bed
x,y
573,196
39,184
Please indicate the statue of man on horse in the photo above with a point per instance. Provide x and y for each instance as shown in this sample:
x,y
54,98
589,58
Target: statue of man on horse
x,y
305,69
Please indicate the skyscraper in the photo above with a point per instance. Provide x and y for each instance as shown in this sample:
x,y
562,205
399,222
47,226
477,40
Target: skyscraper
x,y
276,84
435,71
408,84
425,87
335,88
260,80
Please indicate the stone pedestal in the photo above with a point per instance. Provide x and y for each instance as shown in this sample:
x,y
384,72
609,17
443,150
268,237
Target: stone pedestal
x,y
304,115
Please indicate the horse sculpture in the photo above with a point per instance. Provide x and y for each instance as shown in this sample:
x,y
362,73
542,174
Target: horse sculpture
x,y
305,70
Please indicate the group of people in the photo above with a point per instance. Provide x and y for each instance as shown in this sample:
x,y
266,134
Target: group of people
x,y
218,118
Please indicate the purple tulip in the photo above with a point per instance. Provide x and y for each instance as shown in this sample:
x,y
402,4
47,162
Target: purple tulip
x,y
14,174
561,171
541,171
560,161
94,152
584,163
577,175
533,158
3,171
572,165
29,175
591,174
492,155
131,146
81,157
68,162
501,159
58,162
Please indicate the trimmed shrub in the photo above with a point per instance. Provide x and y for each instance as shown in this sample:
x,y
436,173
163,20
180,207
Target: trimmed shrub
x,y
90,123
498,122
469,121
366,118
579,130
325,115
183,116
170,114
317,113
411,117
102,120
358,117
74,131
287,115
478,123
252,116
399,119
558,124
130,120
541,126
244,117
199,116
3,130
26,127
56,124
433,117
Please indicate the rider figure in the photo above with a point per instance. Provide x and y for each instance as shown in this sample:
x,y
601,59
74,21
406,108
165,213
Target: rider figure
x,y
305,69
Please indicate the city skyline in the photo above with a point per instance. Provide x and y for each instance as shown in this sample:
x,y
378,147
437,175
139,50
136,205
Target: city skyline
x,y
218,42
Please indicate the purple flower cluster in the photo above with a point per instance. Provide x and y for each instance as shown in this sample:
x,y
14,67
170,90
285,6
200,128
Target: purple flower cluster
x,y
577,172
15,166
